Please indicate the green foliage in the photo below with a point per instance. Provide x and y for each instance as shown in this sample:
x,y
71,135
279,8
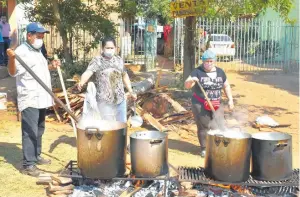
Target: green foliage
x,y
75,16
233,9
127,8
69,70
151,9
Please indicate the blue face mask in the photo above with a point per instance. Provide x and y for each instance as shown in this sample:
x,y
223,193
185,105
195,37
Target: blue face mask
x,y
109,52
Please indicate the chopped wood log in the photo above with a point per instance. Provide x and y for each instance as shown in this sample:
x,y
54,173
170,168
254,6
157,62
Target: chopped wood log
x,y
44,179
61,180
162,104
63,192
53,188
55,183
177,117
150,119
59,195
143,86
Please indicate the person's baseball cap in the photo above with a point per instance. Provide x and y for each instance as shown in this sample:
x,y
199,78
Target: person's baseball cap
x,y
36,27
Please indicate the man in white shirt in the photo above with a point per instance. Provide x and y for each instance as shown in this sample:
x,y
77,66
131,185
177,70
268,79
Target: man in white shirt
x,y
32,98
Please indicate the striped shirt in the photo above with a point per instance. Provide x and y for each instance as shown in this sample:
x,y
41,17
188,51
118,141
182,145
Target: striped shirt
x,y
30,92
109,78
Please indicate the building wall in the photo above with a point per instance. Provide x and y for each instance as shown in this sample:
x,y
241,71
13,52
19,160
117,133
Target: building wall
x,y
286,34
11,14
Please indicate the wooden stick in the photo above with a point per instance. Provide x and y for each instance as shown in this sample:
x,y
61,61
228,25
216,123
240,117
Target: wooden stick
x,y
210,105
206,97
56,114
150,119
67,99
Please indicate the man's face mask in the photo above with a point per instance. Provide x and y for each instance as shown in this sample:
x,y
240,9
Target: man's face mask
x,y
38,43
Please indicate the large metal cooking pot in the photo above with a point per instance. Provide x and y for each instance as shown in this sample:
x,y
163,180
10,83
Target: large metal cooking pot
x,y
149,153
271,156
228,155
101,148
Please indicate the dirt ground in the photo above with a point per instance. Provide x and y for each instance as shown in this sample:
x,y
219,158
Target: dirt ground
x,y
255,95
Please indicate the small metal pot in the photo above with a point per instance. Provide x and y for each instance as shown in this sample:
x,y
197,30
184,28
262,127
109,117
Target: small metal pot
x,y
149,153
271,156
101,149
228,155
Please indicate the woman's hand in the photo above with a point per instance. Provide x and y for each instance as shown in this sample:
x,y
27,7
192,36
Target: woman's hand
x,y
190,82
80,85
133,96
230,104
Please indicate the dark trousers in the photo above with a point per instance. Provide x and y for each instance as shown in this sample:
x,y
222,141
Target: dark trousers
x,y
6,46
205,121
1,53
33,127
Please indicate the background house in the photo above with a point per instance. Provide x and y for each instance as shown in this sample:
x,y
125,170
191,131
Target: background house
x,y
287,35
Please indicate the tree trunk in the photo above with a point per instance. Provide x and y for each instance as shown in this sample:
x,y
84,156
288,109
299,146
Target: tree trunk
x,y
189,46
62,32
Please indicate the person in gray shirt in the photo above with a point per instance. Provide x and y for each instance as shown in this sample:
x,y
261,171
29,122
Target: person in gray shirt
x,y
32,97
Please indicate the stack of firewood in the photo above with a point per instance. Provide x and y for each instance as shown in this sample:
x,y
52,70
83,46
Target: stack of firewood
x,y
76,105
57,186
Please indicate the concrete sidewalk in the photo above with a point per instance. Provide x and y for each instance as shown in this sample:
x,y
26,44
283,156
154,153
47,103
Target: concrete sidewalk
x,y
3,72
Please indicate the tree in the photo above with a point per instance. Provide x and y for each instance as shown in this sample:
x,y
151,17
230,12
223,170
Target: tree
x,y
68,16
150,9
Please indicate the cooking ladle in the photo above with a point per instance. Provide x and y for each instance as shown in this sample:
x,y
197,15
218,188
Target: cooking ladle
x,y
136,120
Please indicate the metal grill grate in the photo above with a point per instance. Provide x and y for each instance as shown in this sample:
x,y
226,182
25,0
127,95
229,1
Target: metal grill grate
x,y
196,175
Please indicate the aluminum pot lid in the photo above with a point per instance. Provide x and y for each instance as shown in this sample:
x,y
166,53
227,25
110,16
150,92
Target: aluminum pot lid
x,y
148,135
272,136
102,125
230,133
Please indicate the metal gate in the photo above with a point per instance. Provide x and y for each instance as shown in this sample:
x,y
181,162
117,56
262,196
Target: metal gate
x,y
243,44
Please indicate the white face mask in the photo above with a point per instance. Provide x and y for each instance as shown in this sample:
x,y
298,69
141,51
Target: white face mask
x,y
109,52
37,44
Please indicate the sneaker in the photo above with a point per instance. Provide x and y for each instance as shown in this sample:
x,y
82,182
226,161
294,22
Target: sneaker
x,y
42,161
31,170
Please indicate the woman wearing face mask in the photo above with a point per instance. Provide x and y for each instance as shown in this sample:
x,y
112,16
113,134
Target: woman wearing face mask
x,y
213,80
111,77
